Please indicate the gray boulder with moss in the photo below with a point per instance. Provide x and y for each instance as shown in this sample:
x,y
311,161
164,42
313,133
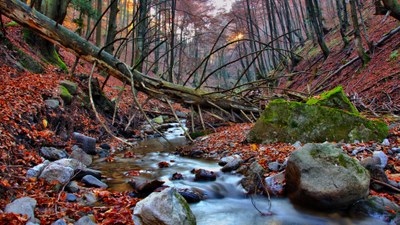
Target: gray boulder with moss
x,y
284,121
335,98
65,95
164,208
324,177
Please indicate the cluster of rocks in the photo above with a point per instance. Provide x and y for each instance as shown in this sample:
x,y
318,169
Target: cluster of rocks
x,y
66,169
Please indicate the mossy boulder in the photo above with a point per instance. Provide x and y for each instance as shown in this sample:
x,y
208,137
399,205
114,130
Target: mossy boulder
x,y
65,95
324,177
335,98
70,86
284,121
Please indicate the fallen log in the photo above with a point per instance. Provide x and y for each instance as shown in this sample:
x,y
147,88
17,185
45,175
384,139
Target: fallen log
x,y
61,36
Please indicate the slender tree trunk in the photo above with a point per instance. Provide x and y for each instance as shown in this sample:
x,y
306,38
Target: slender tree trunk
x,y
342,24
357,35
170,77
99,26
317,26
112,27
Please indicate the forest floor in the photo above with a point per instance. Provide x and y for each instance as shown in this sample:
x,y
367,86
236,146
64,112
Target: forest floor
x,y
24,129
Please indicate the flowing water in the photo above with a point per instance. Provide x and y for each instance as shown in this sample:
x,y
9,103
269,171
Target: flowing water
x,y
227,203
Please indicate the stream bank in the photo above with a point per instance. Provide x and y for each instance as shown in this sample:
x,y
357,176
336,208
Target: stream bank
x,y
226,201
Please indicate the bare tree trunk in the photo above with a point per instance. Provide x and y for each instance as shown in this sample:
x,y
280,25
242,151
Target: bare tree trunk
x,y
112,27
170,77
317,25
342,24
98,28
357,36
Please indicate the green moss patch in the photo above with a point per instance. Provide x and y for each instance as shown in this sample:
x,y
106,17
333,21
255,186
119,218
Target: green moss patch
x,y
284,121
335,98
65,95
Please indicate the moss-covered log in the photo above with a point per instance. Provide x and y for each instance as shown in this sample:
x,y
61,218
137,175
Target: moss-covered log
x,y
61,36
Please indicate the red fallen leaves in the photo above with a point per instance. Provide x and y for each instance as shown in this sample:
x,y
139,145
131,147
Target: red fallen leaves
x,y
13,219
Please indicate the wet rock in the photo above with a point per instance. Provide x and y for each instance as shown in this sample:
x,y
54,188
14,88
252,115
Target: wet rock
x,y
37,170
145,187
177,176
276,184
93,182
105,146
323,176
252,180
232,164
225,160
24,206
204,175
164,208
71,197
191,196
85,221
378,208
59,222
87,171
81,156
163,164
88,144
196,153
52,103
53,154
73,187
58,172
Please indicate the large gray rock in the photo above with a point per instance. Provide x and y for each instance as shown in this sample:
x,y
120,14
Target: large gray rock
x,y
164,208
57,172
37,170
71,163
378,208
232,164
88,144
52,153
284,121
93,181
323,176
81,156
24,206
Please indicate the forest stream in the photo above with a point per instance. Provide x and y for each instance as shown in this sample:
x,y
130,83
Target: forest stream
x,y
226,203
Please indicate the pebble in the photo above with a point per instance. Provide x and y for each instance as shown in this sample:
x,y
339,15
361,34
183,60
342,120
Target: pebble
x,y
385,142
71,197
382,156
